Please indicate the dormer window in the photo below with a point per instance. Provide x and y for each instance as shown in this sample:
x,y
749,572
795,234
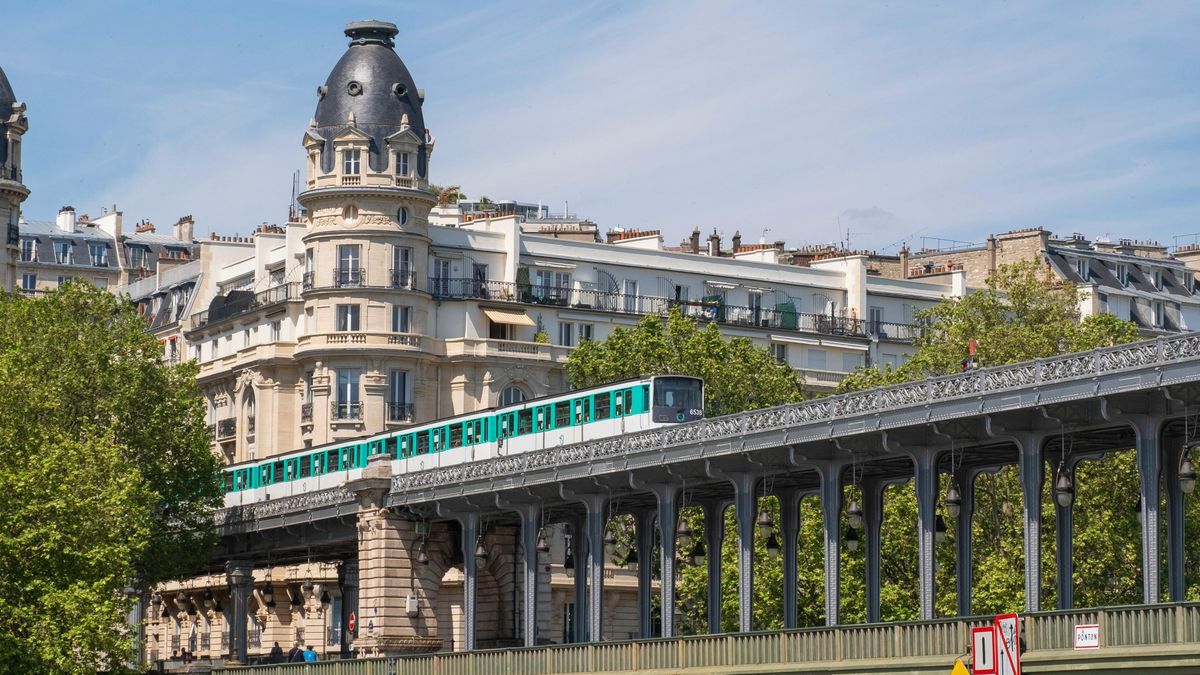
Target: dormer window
x,y
1123,274
1158,315
402,163
1081,267
1189,281
351,162
1158,279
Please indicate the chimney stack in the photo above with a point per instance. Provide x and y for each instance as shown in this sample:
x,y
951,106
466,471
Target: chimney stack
x,y
714,244
184,229
696,240
737,241
66,219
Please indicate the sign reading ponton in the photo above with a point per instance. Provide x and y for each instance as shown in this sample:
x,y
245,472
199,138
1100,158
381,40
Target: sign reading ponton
x,y
1087,636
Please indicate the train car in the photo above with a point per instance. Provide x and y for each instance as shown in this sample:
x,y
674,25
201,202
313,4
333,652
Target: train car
x,y
610,410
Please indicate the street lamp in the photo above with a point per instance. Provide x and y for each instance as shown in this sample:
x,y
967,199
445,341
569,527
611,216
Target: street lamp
x,y
953,501
772,545
852,539
1064,490
765,525
1187,475
939,529
423,556
698,553
268,595
480,550
543,546
683,534
854,514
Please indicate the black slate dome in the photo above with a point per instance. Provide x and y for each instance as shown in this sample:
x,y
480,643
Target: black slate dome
x,y
371,82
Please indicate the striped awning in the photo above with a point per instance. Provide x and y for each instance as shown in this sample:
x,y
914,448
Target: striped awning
x,y
512,317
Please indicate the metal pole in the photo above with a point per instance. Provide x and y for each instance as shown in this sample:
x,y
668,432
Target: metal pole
x,y
745,504
529,534
667,498
1029,446
470,530
645,544
963,555
1148,458
240,576
714,539
831,509
789,524
872,491
926,478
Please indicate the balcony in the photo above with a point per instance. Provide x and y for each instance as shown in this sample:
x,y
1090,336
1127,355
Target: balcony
x,y
14,235
406,182
403,278
226,428
351,180
306,410
510,349
349,277
246,304
381,340
250,425
307,282
341,410
399,412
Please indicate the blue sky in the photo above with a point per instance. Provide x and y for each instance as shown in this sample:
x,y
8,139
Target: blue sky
x,y
800,120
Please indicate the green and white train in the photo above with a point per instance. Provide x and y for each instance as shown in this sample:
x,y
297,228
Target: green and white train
x,y
587,414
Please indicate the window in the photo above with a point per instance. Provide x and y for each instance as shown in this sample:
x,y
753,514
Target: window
x,y
631,291
402,258
585,332
347,404
553,286
402,215
398,409
62,252
566,334
1081,268
479,278
402,163
137,257
1158,315
246,337
195,352
349,270
756,313
1123,274
100,282
351,162
817,359
499,331
1189,281
62,279
780,352
1158,279
400,318
851,362
347,318
28,250
441,277
28,281
875,320
276,329
308,386
511,395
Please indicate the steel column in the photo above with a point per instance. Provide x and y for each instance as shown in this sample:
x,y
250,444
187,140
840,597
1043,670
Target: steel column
x,y
240,576
926,487
530,526
470,537
348,586
964,571
667,497
579,550
789,525
597,517
1176,579
136,618
714,539
831,511
1146,428
645,544
745,506
1064,544
872,493
1029,446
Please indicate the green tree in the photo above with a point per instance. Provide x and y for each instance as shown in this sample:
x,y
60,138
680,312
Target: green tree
x,y
737,375
107,473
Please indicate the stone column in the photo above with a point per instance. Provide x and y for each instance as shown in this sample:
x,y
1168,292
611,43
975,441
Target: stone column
x,y
714,538
746,506
348,585
645,544
240,576
831,511
470,541
387,549
872,493
926,488
962,541
789,525
1147,429
1029,446
667,499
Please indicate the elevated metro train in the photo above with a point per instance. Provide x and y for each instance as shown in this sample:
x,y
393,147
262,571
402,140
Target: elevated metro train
x,y
587,414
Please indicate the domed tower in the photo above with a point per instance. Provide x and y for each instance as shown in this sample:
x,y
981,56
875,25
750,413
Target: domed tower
x,y
13,126
366,243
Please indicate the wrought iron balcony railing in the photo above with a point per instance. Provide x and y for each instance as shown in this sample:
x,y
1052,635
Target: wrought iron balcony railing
x,y
399,412
346,410
261,300
403,278
306,410
227,428
349,277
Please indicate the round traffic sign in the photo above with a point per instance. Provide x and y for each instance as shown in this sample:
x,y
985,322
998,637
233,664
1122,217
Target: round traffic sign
x,y
353,622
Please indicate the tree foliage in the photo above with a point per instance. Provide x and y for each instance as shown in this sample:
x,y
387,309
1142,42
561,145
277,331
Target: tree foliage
x,y
108,478
737,375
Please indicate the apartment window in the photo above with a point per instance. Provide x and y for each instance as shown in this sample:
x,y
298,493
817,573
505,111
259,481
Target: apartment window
x,y
214,349
62,279
1158,279
28,250
780,352
402,215
1158,314
631,300
195,352
397,397
402,265
347,400
349,270
1189,281
499,331
28,281
441,277
511,395
402,163
851,362
1081,268
62,252
100,283
479,277
351,162
874,319
348,318
137,257
585,332
566,334
276,329
401,315
552,285
1123,274
817,359
246,337
754,300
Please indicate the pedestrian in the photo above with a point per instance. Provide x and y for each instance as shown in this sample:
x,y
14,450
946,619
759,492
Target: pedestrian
x,y
295,655
276,654
310,655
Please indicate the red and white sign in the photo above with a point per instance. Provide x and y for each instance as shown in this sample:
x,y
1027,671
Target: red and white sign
x,y
983,650
352,623
1008,644
1087,636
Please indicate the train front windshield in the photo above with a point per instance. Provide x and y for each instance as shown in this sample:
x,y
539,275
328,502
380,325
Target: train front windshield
x,y
678,399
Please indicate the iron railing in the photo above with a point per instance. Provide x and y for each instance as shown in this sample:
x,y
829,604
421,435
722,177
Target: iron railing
x,y
261,300
403,278
307,280
14,235
306,410
346,410
399,412
250,425
349,277
227,428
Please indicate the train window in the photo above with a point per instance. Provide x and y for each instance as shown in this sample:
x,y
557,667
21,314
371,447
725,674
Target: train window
x,y
264,475
277,472
562,414
456,435
290,471
423,443
541,419
628,396
403,446
470,432
603,405
619,404
504,426
331,460
241,480
305,466
346,458
524,422
580,410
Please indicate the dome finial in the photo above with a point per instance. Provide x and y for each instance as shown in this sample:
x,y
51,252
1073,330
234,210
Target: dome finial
x,y
372,33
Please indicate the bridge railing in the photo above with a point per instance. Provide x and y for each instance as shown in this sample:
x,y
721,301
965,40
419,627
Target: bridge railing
x,y
1044,631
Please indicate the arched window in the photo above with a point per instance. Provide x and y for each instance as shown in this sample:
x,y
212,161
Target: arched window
x,y
511,395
